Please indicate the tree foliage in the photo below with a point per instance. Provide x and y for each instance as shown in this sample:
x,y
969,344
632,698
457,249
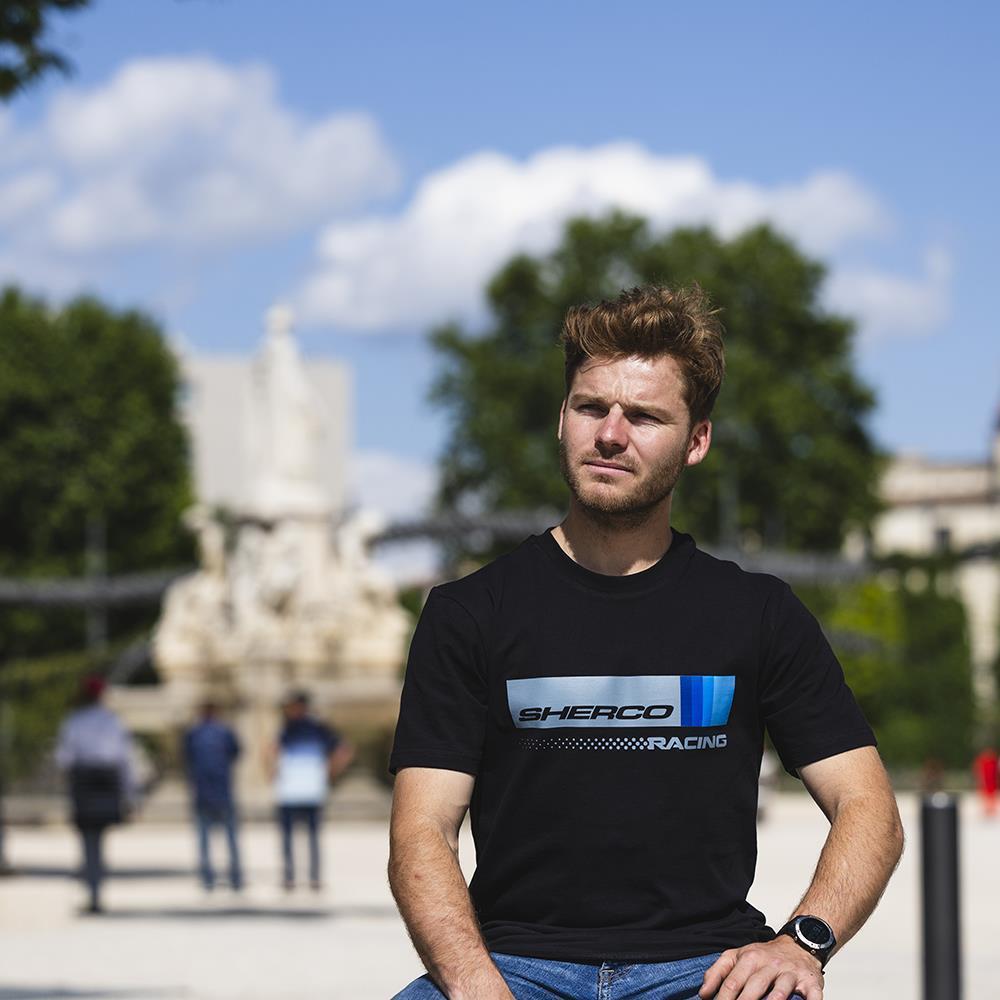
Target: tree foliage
x,y
793,463
89,429
38,691
906,657
24,57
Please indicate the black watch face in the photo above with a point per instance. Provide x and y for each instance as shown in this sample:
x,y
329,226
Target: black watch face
x,y
814,931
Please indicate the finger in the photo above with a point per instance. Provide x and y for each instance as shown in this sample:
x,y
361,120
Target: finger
x,y
756,987
812,987
809,986
733,985
716,973
784,986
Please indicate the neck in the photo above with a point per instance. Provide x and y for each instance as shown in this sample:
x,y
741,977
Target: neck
x,y
615,546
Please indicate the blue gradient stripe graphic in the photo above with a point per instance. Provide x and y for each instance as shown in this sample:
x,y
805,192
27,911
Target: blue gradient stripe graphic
x,y
568,702
706,700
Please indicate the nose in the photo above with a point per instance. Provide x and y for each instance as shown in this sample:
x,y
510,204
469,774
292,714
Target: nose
x,y
612,436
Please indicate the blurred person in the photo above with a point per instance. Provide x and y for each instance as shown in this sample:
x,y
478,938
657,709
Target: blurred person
x,y
985,767
95,751
308,756
598,699
210,752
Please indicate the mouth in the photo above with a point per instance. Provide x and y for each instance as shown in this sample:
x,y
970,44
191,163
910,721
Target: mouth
x,y
608,467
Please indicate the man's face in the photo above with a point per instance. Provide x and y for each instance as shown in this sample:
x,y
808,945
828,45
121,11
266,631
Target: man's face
x,y
295,710
625,436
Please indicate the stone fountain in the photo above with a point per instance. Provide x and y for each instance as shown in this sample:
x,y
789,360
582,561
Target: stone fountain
x,y
285,596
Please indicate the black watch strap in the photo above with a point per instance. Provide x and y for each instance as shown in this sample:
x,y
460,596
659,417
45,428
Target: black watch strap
x,y
812,934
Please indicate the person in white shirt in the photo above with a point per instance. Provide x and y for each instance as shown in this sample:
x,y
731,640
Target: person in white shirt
x,y
95,751
309,755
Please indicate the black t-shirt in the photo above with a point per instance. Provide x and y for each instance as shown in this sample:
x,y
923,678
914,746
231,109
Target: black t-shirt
x,y
615,727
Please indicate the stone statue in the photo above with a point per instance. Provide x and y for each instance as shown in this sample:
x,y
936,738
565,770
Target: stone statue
x,y
211,539
195,630
286,428
287,597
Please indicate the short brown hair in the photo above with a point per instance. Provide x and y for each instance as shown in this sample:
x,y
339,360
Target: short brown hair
x,y
649,322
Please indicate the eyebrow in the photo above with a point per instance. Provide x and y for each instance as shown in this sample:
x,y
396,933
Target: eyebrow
x,y
578,398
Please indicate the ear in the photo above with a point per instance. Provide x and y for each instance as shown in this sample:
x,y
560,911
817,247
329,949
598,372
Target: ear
x,y
562,413
699,442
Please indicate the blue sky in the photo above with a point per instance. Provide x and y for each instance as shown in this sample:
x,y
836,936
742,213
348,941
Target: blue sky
x,y
388,155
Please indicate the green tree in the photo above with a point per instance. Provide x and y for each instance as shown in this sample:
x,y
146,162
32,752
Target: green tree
x,y
867,626
793,462
934,710
906,658
89,434
24,56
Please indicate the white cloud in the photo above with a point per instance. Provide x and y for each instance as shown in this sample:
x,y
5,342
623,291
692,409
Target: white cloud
x,y
893,304
25,193
179,152
432,258
189,153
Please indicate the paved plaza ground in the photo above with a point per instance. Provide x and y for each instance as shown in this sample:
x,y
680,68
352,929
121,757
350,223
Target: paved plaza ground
x,y
163,939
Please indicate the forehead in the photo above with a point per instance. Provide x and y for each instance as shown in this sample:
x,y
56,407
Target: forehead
x,y
632,381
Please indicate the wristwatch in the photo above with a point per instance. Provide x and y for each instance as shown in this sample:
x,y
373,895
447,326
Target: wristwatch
x,y
813,934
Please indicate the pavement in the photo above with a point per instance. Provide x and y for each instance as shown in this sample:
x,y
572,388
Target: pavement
x,y
163,938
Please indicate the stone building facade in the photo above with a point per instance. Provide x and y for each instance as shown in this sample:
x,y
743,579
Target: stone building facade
x,y
954,507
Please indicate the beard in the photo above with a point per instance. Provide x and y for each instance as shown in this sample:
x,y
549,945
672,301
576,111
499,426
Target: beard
x,y
626,508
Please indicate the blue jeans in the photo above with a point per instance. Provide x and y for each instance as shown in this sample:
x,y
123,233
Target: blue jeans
x,y
288,816
544,979
92,870
205,818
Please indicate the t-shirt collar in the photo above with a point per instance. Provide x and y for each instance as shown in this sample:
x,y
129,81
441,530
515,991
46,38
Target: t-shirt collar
x,y
671,564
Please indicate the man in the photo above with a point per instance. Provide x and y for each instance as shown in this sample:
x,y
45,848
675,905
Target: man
x,y
210,751
309,755
599,697
95,751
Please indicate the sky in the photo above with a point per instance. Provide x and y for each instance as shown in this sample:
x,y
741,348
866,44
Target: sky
x,y
372,164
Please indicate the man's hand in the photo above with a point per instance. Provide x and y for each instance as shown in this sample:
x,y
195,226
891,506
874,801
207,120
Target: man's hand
x,y
775,969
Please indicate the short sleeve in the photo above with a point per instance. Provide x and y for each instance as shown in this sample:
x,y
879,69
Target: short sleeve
x,y
443,709
808,709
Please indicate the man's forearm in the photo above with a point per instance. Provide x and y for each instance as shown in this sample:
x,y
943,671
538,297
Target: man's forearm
x,y
339,761
860,854
429,888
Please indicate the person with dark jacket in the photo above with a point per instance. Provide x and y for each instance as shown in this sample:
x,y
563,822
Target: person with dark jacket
x,y
307,757
210,751
95,752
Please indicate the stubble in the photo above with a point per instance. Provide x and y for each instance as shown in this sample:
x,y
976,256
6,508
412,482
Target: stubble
x,y
624,509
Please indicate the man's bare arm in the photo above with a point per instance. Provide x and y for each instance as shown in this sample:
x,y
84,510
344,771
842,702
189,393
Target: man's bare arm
x,y
339,760
865,841
860,854
428,807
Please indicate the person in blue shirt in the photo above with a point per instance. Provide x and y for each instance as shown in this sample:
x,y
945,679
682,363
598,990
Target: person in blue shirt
x,y
210,751
309,755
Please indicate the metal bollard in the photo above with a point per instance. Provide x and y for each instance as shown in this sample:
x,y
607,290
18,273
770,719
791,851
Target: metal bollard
x,y
942,933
